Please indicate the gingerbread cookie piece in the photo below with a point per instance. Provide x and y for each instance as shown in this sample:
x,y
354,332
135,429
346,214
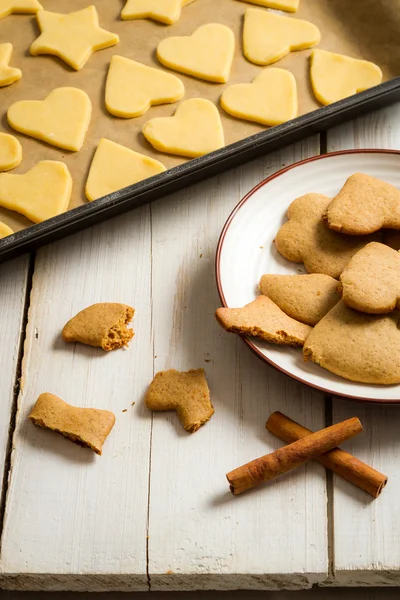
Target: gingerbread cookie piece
x,y
103,325
370,282
287,5
187,393
84,426
263,319
364,204
306,298
29,7
306,238
163,11
10,152
356,346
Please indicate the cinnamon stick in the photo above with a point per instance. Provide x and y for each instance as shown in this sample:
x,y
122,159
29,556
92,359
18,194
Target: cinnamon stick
x,y
339,461
285,459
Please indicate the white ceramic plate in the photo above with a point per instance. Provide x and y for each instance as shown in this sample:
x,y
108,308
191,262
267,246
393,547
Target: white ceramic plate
x,y
246,251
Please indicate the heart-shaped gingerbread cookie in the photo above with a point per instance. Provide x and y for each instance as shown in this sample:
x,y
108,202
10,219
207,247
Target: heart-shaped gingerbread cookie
x,y
335,76
61,120
271,99
115,167
268,37
194,130
132,88
206,54
370,282
41,193
356,346
164,11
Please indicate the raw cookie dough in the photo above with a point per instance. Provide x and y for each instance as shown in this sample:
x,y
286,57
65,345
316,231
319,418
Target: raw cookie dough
x,y
164,11
8,75
268,37
10,152
7,7
271,99
132,88
5,230
73,37
335,76
115,167
41,193
62,119
194,130
206,54
288,5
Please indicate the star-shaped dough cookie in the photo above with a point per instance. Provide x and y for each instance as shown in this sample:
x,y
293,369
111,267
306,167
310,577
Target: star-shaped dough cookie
x,y
7,74
73,37
7,7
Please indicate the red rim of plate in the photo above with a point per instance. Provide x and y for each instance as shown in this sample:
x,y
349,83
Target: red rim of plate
x,y
221,240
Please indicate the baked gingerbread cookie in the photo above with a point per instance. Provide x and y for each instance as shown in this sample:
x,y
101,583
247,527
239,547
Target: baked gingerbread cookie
x,y
263,319
305,238
306,298
359,347
364,204
185,392
370,282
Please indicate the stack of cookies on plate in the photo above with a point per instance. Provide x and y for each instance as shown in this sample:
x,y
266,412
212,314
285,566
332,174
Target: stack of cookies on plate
x,y
345,312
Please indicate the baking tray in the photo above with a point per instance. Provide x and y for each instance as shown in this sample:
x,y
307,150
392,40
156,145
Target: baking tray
x,y
362,29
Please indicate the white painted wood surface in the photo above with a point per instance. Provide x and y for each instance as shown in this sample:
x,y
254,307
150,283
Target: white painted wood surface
x,y
367,533
78,522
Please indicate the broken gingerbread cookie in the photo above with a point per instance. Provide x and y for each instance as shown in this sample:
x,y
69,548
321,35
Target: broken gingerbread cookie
x,y
103,325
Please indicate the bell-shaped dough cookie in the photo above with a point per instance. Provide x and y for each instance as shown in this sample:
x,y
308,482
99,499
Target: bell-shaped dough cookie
x,y
115,167
271,99
8,7
5,230
73,37
206,54
8,75
335,76
41,193
103,325
62,119
287,5
132,88
267,37
194,130
164,11
10,152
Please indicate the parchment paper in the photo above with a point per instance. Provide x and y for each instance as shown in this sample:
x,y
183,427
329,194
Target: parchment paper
x,y
368,29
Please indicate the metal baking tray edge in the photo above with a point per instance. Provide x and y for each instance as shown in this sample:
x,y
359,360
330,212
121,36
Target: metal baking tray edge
x,y
199,169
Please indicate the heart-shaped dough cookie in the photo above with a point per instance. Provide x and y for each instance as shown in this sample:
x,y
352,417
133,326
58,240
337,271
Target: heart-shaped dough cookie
x,y
271,99
364,204
5,230
7,7
267,37
73,37
132,88
7,74
41,193
356,346
335,76
287,5
164,11
194,130
370,282
306,238
115,167
62,119
10,152
206,54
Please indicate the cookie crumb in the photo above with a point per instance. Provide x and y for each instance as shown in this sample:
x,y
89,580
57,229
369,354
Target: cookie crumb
x,y
125,410
133,403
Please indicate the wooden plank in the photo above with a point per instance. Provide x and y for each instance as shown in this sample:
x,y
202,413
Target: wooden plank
x,y
366,532
73,520
13,290
201,537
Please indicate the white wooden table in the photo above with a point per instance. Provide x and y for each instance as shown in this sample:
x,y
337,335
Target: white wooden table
x,y
154,511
